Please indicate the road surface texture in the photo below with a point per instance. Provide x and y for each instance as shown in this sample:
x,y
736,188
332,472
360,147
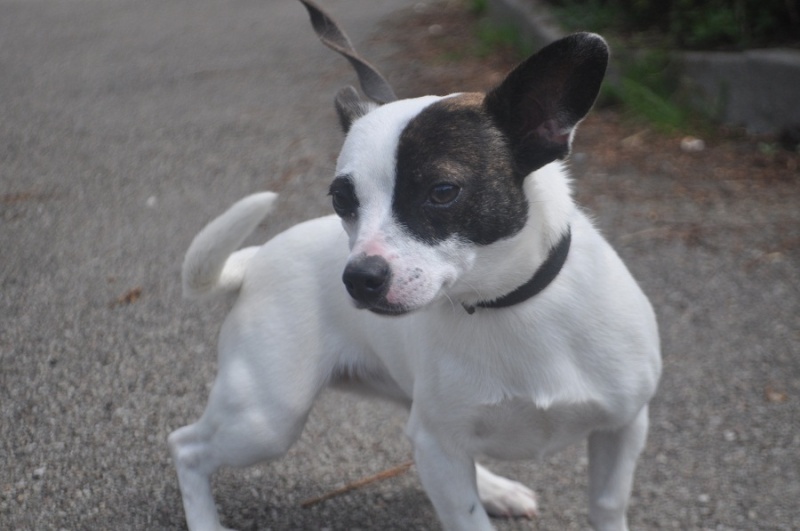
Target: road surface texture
x,y
127,125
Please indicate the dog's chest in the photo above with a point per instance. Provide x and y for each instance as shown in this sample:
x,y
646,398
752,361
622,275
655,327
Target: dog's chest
x,y
517,397
519,429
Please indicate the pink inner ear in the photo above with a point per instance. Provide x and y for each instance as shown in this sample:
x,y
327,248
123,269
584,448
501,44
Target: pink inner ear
x,y
550,130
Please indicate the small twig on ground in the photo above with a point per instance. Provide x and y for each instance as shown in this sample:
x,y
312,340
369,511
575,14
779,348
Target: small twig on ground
x,y
386,474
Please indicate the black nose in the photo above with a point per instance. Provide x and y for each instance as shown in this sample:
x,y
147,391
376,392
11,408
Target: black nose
x,y
367,278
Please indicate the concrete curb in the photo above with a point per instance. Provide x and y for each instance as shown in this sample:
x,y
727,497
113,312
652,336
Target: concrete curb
x,y
757,89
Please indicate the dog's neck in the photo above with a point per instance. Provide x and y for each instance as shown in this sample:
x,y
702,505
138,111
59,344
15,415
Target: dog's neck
x,y
542,277
545,241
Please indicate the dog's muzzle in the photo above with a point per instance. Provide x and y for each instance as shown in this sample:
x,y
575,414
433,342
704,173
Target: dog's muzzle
x,y
367,280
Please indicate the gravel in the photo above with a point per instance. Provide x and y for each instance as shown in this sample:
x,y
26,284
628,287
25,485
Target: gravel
x,y
125,126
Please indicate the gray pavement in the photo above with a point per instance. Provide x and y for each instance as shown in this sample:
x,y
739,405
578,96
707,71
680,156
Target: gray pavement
x,y
126,125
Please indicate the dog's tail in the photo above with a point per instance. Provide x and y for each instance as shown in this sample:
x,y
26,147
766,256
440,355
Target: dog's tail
x,y
211,265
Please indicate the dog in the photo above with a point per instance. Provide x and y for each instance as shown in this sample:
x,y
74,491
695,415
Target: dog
x,y
458,278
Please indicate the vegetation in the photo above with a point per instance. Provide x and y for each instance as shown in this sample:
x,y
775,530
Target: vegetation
x,y
646,83
643,34
688,24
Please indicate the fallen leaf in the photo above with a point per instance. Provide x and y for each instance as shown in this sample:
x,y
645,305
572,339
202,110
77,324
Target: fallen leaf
x,y
129,297
775,396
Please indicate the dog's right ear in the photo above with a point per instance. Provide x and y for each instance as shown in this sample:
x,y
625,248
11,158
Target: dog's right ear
x,y
350,107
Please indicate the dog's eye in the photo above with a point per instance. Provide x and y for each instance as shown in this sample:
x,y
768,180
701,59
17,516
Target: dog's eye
x,y
444,193
345,205
343,197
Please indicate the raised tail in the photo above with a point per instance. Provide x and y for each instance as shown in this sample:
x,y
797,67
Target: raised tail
x,y
212,264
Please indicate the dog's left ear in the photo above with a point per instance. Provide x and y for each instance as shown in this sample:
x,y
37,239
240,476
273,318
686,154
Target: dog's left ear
x,y
542,100
372,82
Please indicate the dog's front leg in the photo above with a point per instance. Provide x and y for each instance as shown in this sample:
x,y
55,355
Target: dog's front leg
x,y
612,461
447,473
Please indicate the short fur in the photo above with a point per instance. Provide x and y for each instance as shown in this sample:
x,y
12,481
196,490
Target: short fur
x,y
443,202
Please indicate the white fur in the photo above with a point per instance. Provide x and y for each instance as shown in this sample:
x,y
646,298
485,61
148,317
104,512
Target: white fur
x,y
580,359
211,265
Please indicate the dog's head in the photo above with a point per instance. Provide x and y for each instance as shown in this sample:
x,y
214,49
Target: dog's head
x,y
433,191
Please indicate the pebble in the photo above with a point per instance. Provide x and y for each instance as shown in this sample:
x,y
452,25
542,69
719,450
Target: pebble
x,y
633,141
690,144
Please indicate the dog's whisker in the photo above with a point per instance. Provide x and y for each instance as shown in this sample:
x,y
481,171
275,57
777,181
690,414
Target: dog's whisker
x,y
475,289
453,305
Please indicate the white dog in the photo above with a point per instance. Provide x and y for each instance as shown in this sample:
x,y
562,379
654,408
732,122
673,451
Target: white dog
x,y
474,291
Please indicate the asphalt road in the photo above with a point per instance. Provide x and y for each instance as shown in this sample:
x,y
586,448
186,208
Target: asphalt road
x,y
126,125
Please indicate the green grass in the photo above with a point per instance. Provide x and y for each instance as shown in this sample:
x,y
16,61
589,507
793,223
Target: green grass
x,y
643,103
478,7
687,24
491,37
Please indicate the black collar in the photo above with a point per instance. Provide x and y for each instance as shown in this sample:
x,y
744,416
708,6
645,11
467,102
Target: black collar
x,y
542,278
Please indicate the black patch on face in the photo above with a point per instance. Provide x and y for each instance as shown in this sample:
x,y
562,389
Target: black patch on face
x,y
454,142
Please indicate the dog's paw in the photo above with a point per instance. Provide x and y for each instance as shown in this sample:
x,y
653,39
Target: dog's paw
x,y
503,497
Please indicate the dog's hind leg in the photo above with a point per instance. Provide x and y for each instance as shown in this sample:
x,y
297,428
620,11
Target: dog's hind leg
x,y
503,497
239,438
236,437
257,409
192,454
612,461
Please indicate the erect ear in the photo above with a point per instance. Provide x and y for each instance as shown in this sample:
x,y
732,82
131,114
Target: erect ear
x,y
542,100
350,107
